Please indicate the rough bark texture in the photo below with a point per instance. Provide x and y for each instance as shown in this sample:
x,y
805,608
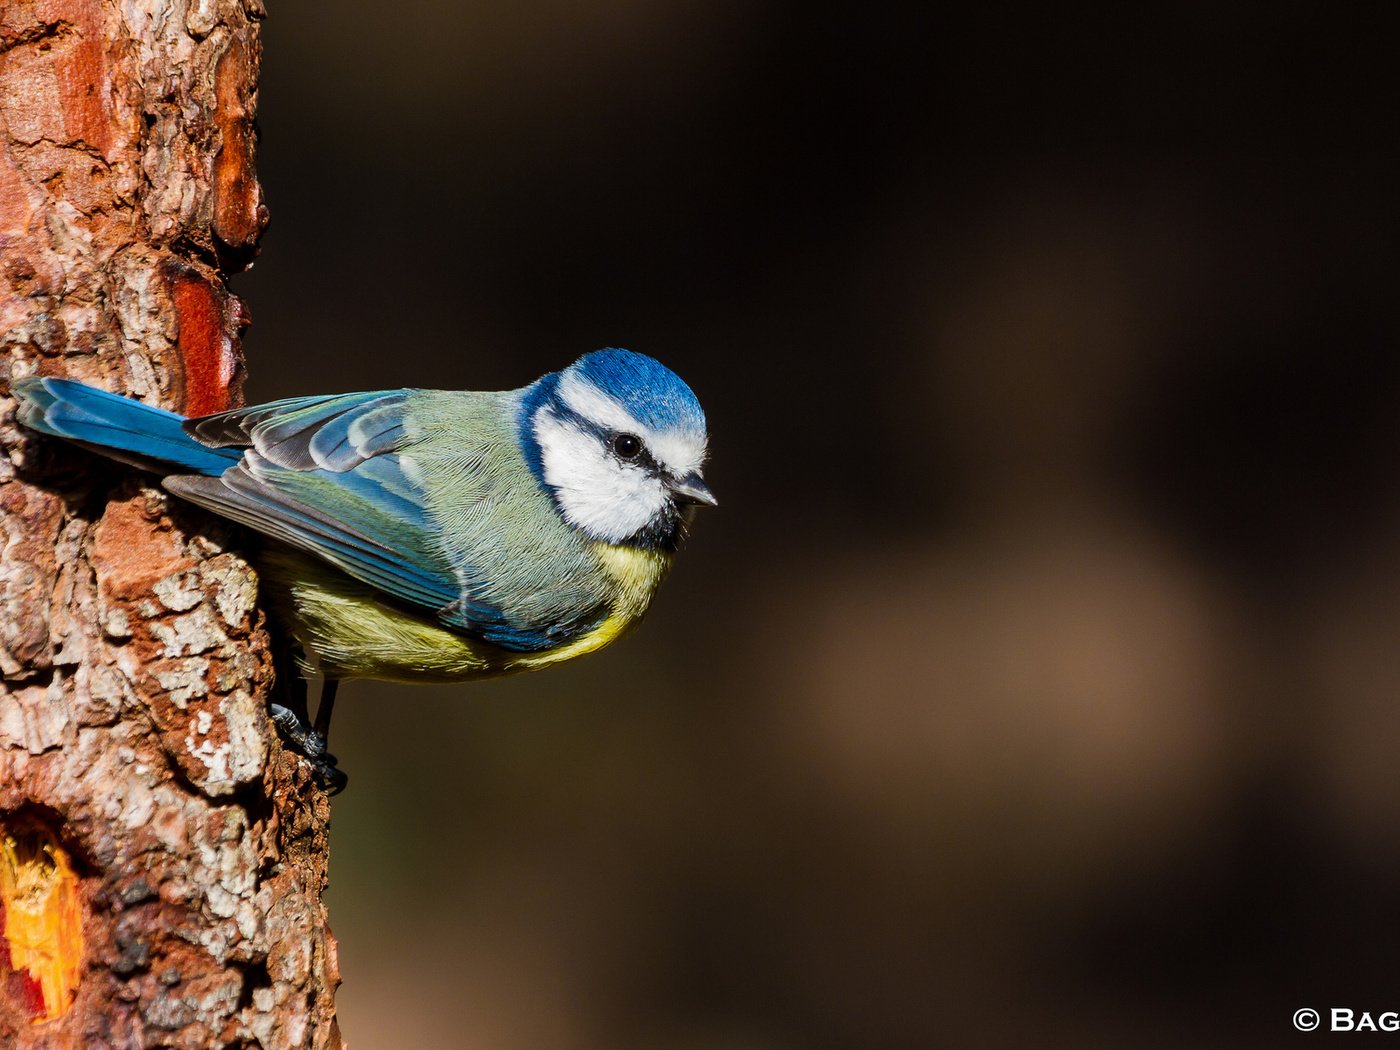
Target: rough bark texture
x,y
161,857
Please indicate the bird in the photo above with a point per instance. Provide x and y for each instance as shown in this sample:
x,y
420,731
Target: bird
x,y
420,535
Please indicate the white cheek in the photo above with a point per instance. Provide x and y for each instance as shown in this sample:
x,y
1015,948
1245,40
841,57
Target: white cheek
x,y
598,494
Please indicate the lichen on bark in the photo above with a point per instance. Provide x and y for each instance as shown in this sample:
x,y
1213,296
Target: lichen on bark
x,y
134,671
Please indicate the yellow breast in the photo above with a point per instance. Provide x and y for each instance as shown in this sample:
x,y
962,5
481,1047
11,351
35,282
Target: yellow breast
x,y
351,634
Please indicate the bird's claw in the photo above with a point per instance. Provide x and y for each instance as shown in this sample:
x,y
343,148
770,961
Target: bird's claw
x,y
331,778
311,745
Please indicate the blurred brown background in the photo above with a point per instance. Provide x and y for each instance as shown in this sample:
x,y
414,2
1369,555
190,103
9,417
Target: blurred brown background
x,y
1036,681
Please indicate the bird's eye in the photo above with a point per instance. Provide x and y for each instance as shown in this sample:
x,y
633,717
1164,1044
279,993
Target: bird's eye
x,y
627,446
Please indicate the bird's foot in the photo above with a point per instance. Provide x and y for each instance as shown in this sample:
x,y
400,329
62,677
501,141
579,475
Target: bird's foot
x,y
311,745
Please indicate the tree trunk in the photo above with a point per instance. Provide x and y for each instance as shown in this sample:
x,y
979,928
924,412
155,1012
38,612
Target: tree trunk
x,y
161,857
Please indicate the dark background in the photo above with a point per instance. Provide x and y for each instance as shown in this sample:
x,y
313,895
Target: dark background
x,y
1036,680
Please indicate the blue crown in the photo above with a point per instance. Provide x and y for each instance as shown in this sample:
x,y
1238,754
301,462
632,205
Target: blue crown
x,y
656,396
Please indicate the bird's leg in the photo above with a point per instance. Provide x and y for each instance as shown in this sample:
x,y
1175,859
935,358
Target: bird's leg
x,y
293,721
289,691
326,708
289,710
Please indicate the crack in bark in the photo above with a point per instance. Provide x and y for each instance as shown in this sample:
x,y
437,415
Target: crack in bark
x,y
39,33
22,147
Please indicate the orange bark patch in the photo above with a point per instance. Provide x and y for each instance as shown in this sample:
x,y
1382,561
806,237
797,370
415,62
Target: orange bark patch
x,y
206,351
239,216
42,921
84,78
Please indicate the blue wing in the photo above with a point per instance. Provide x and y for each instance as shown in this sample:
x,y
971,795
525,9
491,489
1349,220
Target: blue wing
x,y
326,475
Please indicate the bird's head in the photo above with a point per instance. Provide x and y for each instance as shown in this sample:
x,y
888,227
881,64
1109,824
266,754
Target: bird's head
x,y
618,440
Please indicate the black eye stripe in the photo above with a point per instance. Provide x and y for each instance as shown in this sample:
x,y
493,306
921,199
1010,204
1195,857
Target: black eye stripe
x,y
644,458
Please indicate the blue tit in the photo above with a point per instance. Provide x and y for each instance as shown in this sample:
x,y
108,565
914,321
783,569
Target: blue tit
x,y
433,535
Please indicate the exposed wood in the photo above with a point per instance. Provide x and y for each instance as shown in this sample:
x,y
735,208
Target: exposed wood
x,y
162,858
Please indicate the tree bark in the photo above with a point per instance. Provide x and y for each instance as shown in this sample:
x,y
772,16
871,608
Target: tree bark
x,y
162,858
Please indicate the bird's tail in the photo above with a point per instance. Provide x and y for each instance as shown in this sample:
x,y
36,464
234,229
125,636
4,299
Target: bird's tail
x,y
142,435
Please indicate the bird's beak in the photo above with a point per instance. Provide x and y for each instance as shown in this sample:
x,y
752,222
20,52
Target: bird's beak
x,y
692,490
